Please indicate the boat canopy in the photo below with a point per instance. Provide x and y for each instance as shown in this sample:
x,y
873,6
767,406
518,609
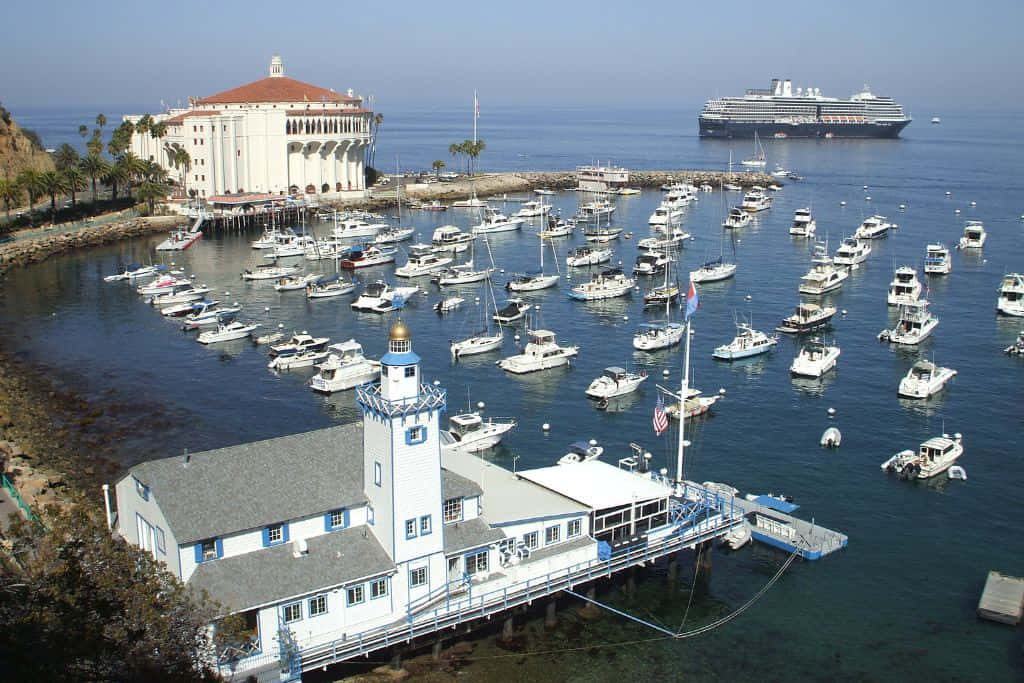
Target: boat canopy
x,y
776,504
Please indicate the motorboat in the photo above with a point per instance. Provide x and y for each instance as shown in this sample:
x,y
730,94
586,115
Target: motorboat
x,y
607,284
694,405
915,324
780,172
380,297
471,203
292,245
592,212
738,536
756,200
420,264
602,235
351,228
674,238
824,276
804,224
345,368
205,313
956,472
615,381
747,342
713,271
450,238
162,285
544,192
815,359
535,280
557,227
1011,295
588,256
1017,347
181,239
265,339
134,271
924,379
974,235
658,296
532,209
831,438
495,221
434,205
852,251
183,308
366,257
873,228
449,304
180,294
905,286
937,260
542,352
269,271
228,331
935,456
737,218
290,283
299,342
732,187
651,263
807,317
460,274
393,235
664,214
581,451
471,433
328,287
303,359
514,309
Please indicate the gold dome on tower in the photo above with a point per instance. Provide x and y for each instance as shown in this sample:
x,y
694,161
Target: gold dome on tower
x,y
400,332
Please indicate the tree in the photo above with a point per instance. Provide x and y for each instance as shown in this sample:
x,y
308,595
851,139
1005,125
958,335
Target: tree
x,y
180,158
115,176
455,149
374,127
10,195
53,184
95,167
437,166
95,143
29,180
74,182
65,157
121,138
101,120
81,604
149,191
83,130
472,149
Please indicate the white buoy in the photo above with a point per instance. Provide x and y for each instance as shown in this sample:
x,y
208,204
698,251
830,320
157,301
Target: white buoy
x,y
481,405
192,276
868,198
686,443
902,207
625,317
173,263
844,311
593,442
437,382
948,193
721,392
974,203
749,297
865,187
227,293
516,338
956,210
266,309
502,270
476,299
545,426
842,203
831,411
664,372
280,326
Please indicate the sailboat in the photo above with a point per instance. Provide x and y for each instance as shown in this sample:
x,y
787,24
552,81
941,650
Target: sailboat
x,y
653,336
529,282
464,273
759,158
731,186
718,269
484,340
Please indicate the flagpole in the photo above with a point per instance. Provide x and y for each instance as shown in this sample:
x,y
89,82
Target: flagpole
x,y
476,109
682,406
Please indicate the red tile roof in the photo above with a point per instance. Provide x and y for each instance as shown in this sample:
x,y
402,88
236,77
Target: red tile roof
x,y
326,112
281,89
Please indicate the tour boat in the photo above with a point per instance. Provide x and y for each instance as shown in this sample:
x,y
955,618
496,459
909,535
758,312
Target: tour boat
x,y
924,379
180,294
495,221
227,332
328,287
557,227
694,405
450,238
345,368
904,288
380,297
747,342
814,359
299,342
181,239
667,240
937,260
366,257
737,218
531,209
269,271
651,263
393,235
873,228
615,382
824,276
607,284
471,433
852,251
974,235
588,256
594,211
804,224
915,324
934,456
513,310
303,359
1011,295
422,264
542,352
290,283
808,317
581,451
756,200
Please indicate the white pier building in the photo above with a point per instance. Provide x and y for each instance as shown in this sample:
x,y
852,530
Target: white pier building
x,y
276,135
339,542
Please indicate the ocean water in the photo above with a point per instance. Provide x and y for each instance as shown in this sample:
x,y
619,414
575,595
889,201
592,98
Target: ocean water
x,y
897,603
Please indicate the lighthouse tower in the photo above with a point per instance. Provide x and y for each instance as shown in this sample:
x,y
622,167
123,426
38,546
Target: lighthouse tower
x,y
402,453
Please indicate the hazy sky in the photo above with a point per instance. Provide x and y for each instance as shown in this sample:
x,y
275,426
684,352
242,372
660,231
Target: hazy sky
x,y
619,54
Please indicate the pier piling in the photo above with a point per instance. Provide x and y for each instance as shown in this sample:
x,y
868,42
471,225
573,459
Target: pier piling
x,y
551,614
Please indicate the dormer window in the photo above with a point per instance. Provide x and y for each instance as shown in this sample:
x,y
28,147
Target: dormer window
x,y
209,550
275,534
141,489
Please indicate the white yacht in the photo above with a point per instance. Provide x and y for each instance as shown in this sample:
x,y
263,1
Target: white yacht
x,y
300,342
713,271
1011,295
345,368
380,297
974,235
329,287
206,313
303,359
269,272
581,451
181,294
367,256
666,239
420,264
804,224
654,336
480,343
354,227
756,200
937,260
924,379
905,286
514,309
694,405
290,245
557,227
226,332
747,342
588,256
651,263
495,221
607,284
615,381
814,359
807,317
542,352
737,218
934,456
664,214
824,276
532,209
915,324
450,238
471,433
852,251
592,212
873,228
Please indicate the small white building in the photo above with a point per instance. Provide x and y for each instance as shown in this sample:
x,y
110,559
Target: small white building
x,y
276,135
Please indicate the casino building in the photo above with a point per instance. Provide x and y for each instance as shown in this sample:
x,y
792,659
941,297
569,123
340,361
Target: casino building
x,y
275,135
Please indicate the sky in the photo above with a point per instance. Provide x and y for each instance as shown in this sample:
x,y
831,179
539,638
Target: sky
x,y
423,55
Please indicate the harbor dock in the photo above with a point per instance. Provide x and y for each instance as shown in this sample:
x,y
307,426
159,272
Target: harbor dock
x,y
1002,599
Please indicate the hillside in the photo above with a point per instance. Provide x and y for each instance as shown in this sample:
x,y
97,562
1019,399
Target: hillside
x,y
19,150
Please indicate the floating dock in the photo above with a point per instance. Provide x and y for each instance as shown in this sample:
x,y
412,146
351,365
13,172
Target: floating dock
x,y
1002,599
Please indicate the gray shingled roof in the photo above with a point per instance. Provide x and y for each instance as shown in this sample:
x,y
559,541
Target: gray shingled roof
x,y
273,574
254,484
457,486
471,533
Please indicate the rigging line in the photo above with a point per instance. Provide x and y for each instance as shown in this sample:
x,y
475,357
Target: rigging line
x,y
689,599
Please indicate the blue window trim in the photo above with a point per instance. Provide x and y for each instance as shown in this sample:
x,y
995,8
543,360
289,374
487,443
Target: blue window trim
x,y
568,528
415,528
474,553
329,520
412,441
387,588
348,602
309,605
430,525
558,527
378,472
426,576
218,545
266,534
284,609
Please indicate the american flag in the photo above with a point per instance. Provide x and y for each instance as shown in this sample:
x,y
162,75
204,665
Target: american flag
x,y
660,420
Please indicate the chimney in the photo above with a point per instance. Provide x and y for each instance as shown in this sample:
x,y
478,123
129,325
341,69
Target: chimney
x,y
787,88
775,89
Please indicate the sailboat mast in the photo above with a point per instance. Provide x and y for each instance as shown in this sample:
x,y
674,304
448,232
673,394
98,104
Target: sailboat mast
x,y
476,113
398,190
682,407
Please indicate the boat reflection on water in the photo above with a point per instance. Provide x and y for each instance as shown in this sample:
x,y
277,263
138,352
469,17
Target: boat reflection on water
x,y
814,386
750,366
618,404
926,407
340,407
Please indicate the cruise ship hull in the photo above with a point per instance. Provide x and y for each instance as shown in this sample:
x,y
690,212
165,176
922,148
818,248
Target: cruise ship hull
x,y
767,131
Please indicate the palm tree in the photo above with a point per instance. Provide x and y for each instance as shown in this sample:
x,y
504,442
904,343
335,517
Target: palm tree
x,y
101,120
83,130
65,157
455,149
74,180
472,149
149,191
437,166
377,120
29,181
133,170
180,158
10,194
95,167
114,176
52,183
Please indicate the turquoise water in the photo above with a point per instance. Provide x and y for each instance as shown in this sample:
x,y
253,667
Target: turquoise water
x,y
897,603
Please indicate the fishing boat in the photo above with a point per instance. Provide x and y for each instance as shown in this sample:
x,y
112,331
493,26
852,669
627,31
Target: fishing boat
x,y
873,228
615,381
824,276
651,263
1011,295
420,264
737,218
329,286
904,288
804,224
345,368
581,451
747,342
299,342
588,256
228,331
393,235
915,324
815,359
852,251
532,209
756,199
495,221
542,352
607,284
937,260
269,271
934,456
924,379
759,158
367,256
807,317
557,227
290,283
450,238
974,235
380,297
471,433
592,212
514,309
303,359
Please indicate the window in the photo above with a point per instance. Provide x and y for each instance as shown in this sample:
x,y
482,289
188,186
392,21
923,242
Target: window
x,y
410,371
369,515
424,525
338,519
410,528
377,473
275,534
209,551
551,534
378,588
573,529
415,435
160,540
477,562
418,577
355,595
452,510
317,605
142,490
530,540
292,612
